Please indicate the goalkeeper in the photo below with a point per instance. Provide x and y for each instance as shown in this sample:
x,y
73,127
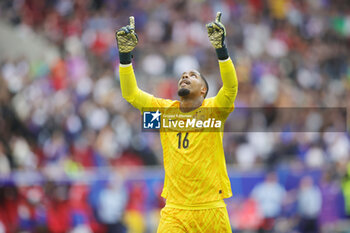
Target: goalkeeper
x,y
196,180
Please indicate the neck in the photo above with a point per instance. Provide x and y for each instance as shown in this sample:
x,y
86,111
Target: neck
x,y
188,105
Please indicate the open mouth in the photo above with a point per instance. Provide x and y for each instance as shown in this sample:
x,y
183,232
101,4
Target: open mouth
x,y
185,81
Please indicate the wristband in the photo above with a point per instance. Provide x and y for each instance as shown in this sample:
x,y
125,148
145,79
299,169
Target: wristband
x,y
125,58
222,53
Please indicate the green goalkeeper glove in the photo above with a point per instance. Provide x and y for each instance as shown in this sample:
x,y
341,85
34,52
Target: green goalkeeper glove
x,y
216,34
127,40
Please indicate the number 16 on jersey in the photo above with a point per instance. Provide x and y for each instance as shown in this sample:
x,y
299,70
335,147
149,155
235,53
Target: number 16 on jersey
x,y
182,142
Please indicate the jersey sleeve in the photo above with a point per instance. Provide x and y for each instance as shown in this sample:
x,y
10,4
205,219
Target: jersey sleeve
x,y
228,92
135,96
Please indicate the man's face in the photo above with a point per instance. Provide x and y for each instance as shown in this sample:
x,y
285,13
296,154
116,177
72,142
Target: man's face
x,y
191,84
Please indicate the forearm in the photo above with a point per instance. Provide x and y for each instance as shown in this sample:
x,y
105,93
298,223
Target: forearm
x,y
227,69
228,75
130,90
228,92
128,82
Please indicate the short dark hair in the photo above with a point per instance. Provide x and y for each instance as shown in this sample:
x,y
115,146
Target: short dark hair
x,y
206,84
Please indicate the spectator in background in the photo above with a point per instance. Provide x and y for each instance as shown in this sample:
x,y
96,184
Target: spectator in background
x,y
309,201
5,168
9,202
31,210
111,205
346,190
82,215
59,208
269,196
330,190
138,194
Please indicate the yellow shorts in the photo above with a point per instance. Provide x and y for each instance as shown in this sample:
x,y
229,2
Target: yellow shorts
x,y
180,220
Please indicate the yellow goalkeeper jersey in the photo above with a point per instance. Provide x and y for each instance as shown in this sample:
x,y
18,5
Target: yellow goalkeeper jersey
x,y
194,161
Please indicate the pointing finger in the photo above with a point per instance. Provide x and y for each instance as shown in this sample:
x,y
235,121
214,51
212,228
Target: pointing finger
x,y
132,22
218,17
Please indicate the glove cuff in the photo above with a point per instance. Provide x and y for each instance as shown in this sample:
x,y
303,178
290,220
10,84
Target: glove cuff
x,y
125,58
222,53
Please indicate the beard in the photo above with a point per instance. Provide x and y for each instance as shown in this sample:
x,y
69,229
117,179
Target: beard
x,y
183,92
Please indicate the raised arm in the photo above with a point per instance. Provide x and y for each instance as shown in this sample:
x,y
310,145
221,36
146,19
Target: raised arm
x,y
228,92
127,40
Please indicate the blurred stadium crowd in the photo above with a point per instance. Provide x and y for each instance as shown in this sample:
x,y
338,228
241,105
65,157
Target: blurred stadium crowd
x,y
66,115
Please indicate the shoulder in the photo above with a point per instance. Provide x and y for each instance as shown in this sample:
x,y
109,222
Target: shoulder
x,y
164,103
212,103
209,102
